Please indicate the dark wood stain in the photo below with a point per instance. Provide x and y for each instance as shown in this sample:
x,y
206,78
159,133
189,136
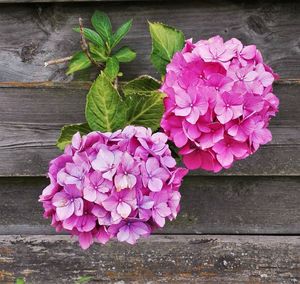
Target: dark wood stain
x,y
209,205
29,131
33,34
160,259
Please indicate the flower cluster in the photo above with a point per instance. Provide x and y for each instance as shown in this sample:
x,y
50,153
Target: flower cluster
x,y
219,102
122,184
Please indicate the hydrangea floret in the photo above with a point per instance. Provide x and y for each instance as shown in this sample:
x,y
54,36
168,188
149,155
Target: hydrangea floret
x,y
219,102
123,184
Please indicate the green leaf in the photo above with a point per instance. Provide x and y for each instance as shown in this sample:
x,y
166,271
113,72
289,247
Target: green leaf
x,y
91,36
165,42
145,110
141,85
125,54
84,279
68,131
78,62
97,52
20,281
104,110
102,25
144,102
120,33
112,68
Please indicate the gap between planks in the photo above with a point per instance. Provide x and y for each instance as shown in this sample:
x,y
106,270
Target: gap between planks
x,y
87,84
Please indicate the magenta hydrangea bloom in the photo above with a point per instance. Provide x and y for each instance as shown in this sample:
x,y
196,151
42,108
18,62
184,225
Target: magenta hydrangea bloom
x,y
123,184
219,102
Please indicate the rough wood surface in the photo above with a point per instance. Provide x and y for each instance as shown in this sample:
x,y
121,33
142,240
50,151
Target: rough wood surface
x,y
210,205
160,259
32,34
52,1
32,115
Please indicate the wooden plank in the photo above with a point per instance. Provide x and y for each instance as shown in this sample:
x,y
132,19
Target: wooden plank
x,y
31,116
209,205
160,259
54,1
272,26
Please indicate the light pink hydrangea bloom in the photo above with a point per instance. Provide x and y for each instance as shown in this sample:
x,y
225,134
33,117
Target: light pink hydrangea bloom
x,y
219,102
123,184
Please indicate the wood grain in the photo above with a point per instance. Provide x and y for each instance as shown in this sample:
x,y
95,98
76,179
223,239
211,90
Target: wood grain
x,y
31,116
32,34
209,205
53,1
160,259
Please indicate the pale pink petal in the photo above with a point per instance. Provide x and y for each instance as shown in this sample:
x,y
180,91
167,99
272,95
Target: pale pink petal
x,y
194,115
180,139
225,159
159,220
206,140
220,147
239,149
110,203
155,184
147,203
60,199
102,235
251,76
220,108
225,116
69,223
123,233
133,237
183,111
160,173
203,51
140,228
248,52
78,206
99,211
110,174
266,79
121,182
89,193
183,100
152,164
237,111
65,212
123,209
168,161
76,140
131,181
163,210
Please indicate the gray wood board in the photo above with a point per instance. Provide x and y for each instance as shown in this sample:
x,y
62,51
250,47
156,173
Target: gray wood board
x,y
32,34
53,1
209,205
31,116
160,259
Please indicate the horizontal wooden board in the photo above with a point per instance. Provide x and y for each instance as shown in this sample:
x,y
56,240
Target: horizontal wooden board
x,y
160,259
31,116
210,205
53,1
32,34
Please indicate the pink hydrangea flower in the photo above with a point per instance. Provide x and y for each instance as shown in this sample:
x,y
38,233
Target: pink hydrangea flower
x,y
123,184
218,103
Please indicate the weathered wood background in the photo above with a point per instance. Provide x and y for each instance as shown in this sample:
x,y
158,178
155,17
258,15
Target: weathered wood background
x,y
240,226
